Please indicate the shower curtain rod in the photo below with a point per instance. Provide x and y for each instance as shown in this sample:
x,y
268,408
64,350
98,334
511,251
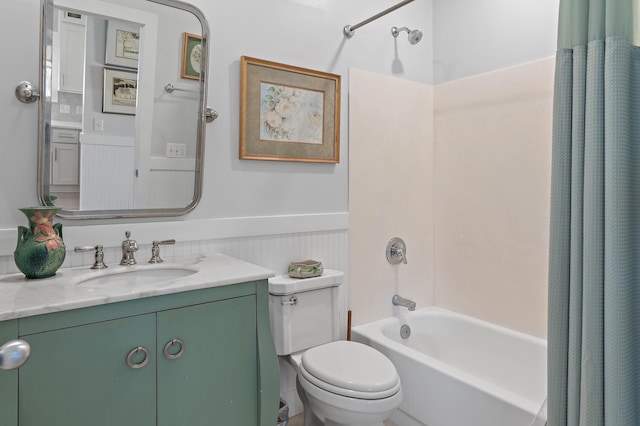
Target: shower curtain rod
x,y
349,29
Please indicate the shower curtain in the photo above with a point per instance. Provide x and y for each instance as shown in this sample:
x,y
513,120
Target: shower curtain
x,y
594,274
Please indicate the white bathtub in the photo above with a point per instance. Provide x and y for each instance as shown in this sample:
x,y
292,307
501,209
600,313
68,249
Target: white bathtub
x,y
459,371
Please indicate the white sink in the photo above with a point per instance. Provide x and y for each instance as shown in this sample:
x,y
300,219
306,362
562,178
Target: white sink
x,y
138,277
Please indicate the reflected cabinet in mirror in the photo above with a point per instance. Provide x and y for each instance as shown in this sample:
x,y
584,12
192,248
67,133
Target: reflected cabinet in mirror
x,y
122,111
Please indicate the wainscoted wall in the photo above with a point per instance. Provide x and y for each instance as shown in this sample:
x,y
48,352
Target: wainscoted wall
x,y
102,157
390,192
492,190
270,242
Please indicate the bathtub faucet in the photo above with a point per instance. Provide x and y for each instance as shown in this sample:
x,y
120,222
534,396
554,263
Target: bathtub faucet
x,y
401,301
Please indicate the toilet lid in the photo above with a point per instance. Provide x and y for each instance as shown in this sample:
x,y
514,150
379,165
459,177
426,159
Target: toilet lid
x,y
350,369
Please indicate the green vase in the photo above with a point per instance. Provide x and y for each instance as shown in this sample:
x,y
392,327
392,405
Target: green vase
x,y
40,250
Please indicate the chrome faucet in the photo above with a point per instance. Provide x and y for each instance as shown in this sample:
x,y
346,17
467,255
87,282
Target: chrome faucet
x,y
401,301
129,247
99,255
155,250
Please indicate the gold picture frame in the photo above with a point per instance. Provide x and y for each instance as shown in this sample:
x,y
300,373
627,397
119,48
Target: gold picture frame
x,y
191,56
288,113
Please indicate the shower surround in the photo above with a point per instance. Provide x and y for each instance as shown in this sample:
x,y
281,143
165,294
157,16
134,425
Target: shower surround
x,y
460,171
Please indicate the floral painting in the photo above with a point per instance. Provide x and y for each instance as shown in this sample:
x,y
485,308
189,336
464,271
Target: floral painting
x,y
288,113
291,114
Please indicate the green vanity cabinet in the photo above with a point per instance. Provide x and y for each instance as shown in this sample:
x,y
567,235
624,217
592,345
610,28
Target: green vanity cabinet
x,y
210,361
8,379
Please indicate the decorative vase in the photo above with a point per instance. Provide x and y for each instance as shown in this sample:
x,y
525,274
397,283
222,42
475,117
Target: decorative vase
x,y
40,250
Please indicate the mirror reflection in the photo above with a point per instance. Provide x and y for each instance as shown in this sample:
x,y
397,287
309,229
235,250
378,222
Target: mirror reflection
x,y
115,141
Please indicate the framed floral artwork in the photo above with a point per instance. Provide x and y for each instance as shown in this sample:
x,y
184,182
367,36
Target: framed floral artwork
x,y
191,56
288,113
120,91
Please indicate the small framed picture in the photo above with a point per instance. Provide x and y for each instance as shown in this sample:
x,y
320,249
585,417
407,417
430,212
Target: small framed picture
x,y
123,44
288,113
120,91
191,56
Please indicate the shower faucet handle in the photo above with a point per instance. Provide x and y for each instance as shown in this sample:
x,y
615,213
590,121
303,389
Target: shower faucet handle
x,y
396,251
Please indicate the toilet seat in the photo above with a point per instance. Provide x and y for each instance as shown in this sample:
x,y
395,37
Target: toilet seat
x,y
350,369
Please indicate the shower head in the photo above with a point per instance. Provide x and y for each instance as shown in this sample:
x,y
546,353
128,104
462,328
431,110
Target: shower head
x,y
414,35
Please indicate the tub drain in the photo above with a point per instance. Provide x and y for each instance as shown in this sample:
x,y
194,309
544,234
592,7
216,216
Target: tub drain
x,y
405,331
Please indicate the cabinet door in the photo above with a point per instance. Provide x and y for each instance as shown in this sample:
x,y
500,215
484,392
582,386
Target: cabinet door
x,y
64,164
79,376
72,42
8,379
214,381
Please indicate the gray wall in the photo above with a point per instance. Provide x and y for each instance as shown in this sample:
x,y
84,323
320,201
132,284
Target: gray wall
x,y
468,37
473,37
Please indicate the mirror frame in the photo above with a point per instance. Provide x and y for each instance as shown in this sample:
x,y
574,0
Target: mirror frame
x,y
44,123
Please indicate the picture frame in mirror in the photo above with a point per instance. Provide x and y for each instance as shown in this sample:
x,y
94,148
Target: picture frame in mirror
x,y
120,91
122,45
191,56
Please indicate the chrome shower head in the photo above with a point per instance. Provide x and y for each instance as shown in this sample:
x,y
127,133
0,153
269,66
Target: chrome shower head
x,y
414,35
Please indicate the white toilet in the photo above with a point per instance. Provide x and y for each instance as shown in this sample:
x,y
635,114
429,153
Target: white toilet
x,y
340,383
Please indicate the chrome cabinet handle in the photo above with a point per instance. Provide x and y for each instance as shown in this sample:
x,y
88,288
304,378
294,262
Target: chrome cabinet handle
x,y
170,344
134,351
14,354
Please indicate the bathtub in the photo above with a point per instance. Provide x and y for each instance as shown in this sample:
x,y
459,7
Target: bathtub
x,y
459,371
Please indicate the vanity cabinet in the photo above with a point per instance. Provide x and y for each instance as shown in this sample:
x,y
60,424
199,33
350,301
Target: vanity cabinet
x,y
65,158
205,357
8,379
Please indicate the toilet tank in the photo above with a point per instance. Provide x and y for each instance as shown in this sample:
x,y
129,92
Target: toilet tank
x,y
304,312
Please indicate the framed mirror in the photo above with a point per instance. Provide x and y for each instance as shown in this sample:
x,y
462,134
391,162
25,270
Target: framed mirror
x,y
121,126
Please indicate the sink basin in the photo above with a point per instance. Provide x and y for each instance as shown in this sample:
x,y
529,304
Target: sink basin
x,y
137,277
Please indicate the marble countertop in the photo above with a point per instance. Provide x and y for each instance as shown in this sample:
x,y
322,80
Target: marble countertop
x,y
69,288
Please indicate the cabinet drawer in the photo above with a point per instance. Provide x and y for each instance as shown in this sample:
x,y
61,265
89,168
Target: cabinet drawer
x,y
64,135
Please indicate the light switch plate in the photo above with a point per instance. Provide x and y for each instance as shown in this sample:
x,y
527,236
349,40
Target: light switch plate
x,y
176,150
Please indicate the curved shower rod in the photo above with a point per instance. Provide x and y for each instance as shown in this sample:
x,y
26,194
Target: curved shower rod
x,y
349,29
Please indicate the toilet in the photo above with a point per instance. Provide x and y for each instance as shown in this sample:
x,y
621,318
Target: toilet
x,y
340,383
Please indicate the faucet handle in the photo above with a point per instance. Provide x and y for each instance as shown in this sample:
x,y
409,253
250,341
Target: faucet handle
x,y
99,256
396,251
155,250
